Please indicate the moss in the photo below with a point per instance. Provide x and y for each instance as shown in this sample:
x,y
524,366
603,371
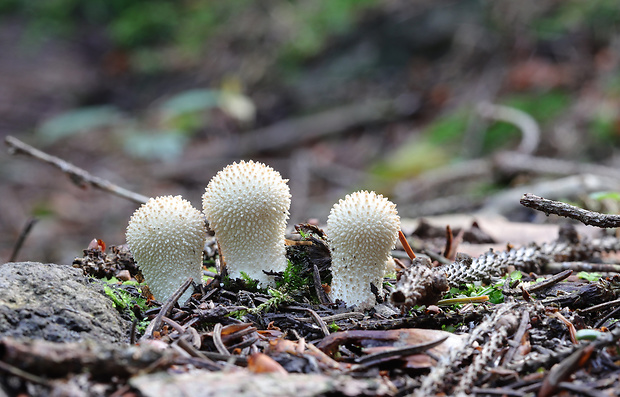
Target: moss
x,y
245,283
127,299
333,327
298,278
294,278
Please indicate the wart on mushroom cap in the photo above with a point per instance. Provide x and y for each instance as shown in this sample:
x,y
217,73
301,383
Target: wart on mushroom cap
x,y
166,237
362,230
247,205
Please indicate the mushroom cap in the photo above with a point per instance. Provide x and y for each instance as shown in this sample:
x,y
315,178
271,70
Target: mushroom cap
x,y
166,236
362,230
247,205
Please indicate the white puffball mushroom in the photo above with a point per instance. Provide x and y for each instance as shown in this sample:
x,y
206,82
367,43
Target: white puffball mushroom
x,y
362,231
166,237
247,205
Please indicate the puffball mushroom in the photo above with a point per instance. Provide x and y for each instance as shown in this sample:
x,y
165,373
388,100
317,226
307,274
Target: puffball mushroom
x,y
247,205
362,230
166,237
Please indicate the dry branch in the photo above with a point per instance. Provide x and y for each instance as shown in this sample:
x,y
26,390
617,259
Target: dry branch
x,y
570,211
530,131
303,129
77,175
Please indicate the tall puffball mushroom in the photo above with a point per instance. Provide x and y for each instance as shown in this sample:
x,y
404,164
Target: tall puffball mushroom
x,y
362,230
247,205
166,237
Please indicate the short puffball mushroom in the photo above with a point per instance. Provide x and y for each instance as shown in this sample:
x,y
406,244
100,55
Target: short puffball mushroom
x,y
362,230
166,237
247,205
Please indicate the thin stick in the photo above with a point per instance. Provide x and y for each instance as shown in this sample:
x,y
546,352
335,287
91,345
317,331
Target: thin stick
x,y
553,267
22,237
550,281
405,243
517,337
188,347
530,132
601,306
23,374
165,309
77,175
318,287
317,319
398,352
449,239
570,211
217,340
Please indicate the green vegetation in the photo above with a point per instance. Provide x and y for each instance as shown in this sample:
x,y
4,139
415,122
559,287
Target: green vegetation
x,y
599,16
245,282
494,292
142,26
124,300
333,327
278,298
293,278
250,283
442,140
590,276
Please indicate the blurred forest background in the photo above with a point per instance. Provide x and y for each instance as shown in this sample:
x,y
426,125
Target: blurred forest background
x,y
398,96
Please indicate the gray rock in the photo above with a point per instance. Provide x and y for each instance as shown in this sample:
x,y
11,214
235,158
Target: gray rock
x,y
56,303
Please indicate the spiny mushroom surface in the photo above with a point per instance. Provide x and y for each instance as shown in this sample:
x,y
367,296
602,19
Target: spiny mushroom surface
x,y
166,237
362,230
247,205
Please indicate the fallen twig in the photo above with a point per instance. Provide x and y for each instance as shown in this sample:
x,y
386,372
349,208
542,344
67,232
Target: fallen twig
x,y
570,211
601,306
515,162
165,309
318,320
295,131
185,345
550,281
530,131
77,175
516,338
405,244
553,267
22,237
15,371
217,340
397,353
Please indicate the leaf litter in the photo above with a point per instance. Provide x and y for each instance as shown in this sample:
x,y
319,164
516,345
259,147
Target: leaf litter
x,y
545,329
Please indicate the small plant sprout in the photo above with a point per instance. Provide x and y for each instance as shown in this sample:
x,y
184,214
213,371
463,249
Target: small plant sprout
x,y
166,237
247,205
362,229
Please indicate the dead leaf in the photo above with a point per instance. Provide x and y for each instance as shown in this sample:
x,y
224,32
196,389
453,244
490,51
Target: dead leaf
x,y
375,341
260,363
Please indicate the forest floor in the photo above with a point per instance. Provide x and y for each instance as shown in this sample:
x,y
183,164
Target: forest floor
x,y
538,319
455,132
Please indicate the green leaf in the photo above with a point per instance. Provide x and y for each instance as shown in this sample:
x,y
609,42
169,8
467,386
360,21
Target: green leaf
x,y
78,121
605,196
155,145
191,101
590,276
516,275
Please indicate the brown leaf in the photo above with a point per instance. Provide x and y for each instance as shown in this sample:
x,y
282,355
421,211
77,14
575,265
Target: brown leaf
x,y
97,244
261,363
373,341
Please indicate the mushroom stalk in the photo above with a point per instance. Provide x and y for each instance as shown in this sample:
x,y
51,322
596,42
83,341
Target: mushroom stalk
x,y
166,237
362,231
247,205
